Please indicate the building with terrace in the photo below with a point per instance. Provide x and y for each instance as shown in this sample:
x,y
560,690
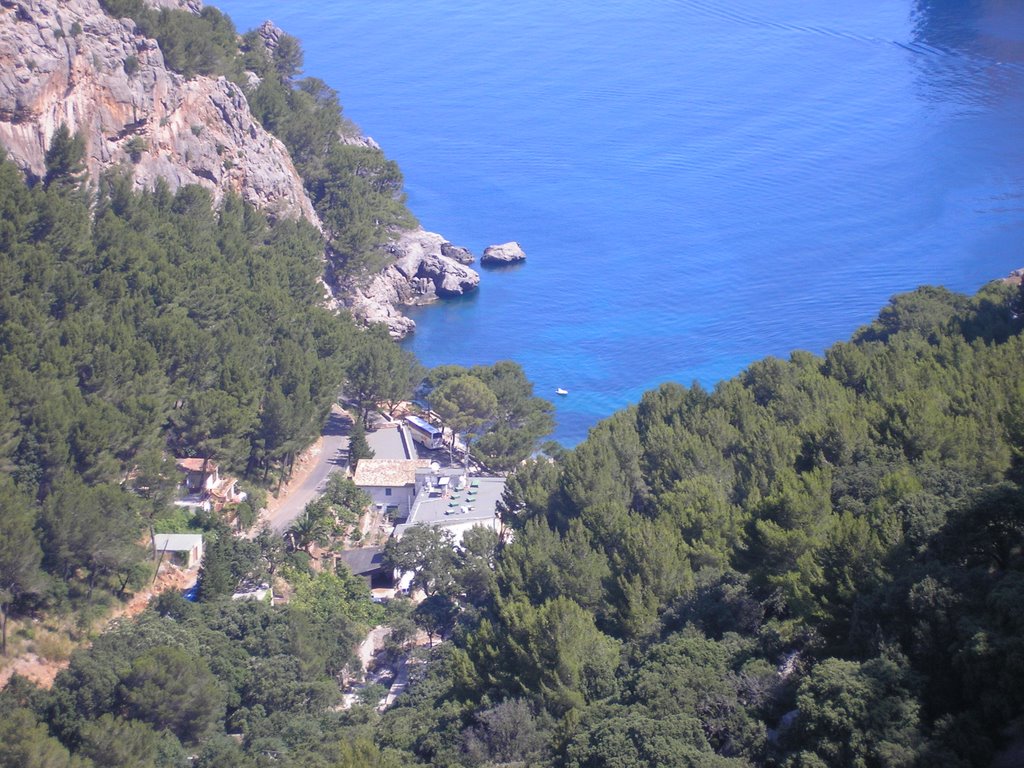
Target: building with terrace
x,y
452,499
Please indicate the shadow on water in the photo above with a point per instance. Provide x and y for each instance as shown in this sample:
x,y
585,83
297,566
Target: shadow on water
x,y
514,266
466,299
445,311
985,28
946,25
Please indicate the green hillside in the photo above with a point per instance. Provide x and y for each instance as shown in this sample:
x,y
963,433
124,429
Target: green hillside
x,y
818,563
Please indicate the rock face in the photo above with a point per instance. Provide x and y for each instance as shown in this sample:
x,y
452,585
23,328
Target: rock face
x,y
192,6
506,253
421,273
68,62
457,252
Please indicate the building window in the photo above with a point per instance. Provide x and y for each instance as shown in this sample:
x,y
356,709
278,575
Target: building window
x,y
387,491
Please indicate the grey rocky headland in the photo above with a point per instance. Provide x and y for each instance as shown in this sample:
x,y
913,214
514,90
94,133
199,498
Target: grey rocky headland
x,y
506,253
69,62
420,274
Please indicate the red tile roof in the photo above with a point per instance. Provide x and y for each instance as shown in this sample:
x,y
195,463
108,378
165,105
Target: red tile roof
x,y
196,465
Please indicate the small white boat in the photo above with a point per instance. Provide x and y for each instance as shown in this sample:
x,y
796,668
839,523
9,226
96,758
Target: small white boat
x,y
561,391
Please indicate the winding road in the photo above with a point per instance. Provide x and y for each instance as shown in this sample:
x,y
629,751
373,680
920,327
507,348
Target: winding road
x,y
333,457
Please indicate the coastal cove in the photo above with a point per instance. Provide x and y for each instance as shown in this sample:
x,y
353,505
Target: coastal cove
x,y
227,538
696,185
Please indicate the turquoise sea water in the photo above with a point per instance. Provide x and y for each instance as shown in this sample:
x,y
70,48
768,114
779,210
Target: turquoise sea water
x,y
697,184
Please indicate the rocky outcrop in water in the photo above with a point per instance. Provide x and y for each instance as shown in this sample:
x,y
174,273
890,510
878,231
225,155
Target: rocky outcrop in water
x,y
69,62
499,255
421,273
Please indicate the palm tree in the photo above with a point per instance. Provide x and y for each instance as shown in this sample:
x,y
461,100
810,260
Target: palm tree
x,y
308,529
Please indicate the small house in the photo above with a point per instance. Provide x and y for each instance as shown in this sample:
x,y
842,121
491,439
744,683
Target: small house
x,y
200,474
390,483
204,485
184,549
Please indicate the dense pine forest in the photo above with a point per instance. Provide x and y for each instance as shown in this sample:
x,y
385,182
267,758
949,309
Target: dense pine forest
x,y
136,327
140,326
818,563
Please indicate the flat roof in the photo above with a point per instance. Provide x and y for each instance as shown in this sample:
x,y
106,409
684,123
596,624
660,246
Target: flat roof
x,y
363,560
477,502
387,443
389,473
176,542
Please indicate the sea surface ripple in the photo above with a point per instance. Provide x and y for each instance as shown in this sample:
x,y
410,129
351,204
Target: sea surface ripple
x,y
697,184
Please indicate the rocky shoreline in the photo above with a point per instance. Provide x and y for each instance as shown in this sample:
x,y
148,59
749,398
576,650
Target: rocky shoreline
x,y
195,130
426,268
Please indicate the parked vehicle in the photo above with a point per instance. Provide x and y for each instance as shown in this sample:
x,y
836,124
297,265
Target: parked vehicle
x,y
424,433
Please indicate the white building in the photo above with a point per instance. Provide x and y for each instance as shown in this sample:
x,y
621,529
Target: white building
x,y
390,483
185,549
453,500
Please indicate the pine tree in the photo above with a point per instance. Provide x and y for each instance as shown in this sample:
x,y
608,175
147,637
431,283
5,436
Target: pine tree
x,y
358,447
65,159
215,575
20,554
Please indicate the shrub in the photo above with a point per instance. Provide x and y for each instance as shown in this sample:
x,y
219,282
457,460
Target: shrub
x,y
135,146
246,515
54,646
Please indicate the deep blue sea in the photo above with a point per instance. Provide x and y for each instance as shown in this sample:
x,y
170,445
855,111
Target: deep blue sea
x,y
697,183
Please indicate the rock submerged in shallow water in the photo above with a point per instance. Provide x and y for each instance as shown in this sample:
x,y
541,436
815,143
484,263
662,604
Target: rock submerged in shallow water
x,y
506,253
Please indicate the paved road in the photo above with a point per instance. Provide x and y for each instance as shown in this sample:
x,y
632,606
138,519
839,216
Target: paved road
x,y
333,456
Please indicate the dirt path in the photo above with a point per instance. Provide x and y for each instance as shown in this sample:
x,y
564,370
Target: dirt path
x,y
37,669
42,671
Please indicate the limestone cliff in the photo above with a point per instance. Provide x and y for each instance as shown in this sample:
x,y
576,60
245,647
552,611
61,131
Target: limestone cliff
x,y
67,61
70,62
